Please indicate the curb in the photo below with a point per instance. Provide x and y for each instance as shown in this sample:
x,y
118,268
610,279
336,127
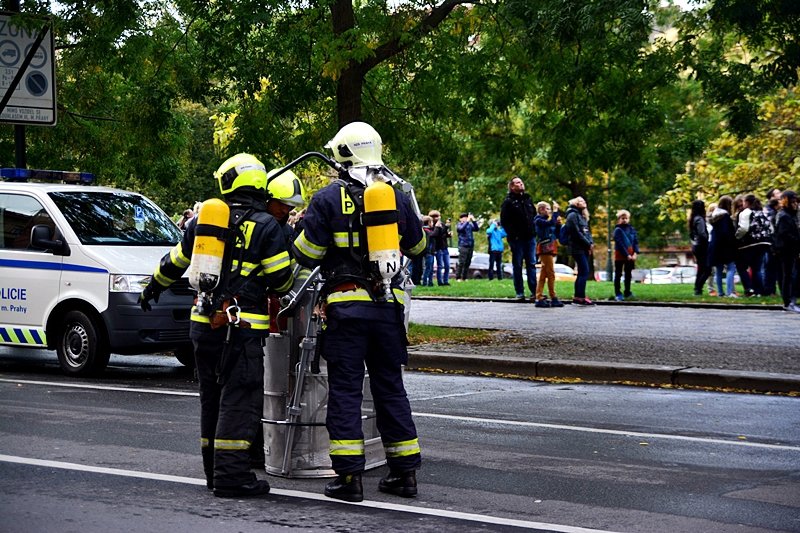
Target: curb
x,y
601,372
692,305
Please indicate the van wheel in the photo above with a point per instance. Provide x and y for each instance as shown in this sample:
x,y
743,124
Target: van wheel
x,y
185,356
79,347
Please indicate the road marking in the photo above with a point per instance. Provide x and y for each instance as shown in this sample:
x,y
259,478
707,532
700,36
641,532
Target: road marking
x,y
99,387
470,419
444,513
496,421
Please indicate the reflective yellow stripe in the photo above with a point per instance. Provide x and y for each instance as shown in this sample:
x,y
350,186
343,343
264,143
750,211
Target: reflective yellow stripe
x,y
161,279
286,286
27,336
276,262
203,442
257,321
361,295
227,444
178,258
340,239
247,268
308,248
419,247
358,295
347,447
402,449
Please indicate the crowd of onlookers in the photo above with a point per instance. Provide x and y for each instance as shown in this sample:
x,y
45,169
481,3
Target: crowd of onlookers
x,y
760,242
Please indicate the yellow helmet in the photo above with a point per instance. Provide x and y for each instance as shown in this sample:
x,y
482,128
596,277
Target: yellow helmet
x,y
286,188
241,170
357,144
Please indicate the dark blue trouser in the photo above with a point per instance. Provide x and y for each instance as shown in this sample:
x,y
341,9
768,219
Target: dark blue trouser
x,y
496,264
524,250
582,264
347,346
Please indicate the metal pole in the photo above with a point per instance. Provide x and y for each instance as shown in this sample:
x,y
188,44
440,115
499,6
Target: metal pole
x,y
19,129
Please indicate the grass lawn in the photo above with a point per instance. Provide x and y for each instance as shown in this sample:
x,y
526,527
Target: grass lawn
x,y
596,290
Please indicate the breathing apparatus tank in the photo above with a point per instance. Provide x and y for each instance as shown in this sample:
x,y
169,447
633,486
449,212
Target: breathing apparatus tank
x,y
208,252
383,240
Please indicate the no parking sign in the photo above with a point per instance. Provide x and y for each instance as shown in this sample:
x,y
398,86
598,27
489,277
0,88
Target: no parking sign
x,y
27,73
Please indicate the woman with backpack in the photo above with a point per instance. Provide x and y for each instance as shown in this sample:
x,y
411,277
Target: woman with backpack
x,y
755,239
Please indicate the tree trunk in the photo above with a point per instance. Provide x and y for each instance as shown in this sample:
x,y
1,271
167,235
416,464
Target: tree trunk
x,y
348,94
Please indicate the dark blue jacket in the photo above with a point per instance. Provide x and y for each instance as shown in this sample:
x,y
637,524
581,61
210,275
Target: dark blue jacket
x,y
625,240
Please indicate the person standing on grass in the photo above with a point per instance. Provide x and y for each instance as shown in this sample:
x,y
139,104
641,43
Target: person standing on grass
x,y
516,216
698,234
466,244
547,227
787,247
626,248
581,245
722,246
496,233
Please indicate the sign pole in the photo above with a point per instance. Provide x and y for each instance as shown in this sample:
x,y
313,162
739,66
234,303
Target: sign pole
x,y
19,129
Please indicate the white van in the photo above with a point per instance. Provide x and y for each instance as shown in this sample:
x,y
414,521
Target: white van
x,y
73,260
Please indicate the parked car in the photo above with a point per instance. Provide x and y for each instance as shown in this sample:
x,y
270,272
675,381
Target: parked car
x,y
673,274
478,267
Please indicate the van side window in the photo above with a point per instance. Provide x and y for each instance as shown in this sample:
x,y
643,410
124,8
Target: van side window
x,y
18,215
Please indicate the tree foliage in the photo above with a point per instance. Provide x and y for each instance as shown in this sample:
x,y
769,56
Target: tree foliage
x,y
767,159
741,49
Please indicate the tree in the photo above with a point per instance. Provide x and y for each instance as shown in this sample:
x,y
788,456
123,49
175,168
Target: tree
x,y
757,163
741,50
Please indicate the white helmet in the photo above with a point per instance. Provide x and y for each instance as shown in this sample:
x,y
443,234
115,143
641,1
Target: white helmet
x,y
357,145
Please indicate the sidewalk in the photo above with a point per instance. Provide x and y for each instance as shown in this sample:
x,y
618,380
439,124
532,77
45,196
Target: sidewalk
x,y
730,347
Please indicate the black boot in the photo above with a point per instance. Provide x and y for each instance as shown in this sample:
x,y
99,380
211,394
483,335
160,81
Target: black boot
x,y
346,487
254,488
400,484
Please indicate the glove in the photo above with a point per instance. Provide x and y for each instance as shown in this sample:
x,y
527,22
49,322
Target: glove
x,y
149,293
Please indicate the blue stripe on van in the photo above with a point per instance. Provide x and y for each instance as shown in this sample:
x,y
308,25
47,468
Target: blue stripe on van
x,y
44,265
18,336
36,338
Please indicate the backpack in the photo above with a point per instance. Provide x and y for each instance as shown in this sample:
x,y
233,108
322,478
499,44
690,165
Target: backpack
x,y
563,235
760,229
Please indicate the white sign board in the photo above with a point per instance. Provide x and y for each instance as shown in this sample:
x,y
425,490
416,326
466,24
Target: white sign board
x,y
33,100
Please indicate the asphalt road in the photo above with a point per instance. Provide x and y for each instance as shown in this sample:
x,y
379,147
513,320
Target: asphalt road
x,y
120,453
733,339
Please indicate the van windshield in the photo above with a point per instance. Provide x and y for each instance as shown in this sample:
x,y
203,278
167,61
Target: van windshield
x,y
116,218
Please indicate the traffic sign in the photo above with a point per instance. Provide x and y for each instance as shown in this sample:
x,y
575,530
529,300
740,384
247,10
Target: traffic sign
x,y
27,73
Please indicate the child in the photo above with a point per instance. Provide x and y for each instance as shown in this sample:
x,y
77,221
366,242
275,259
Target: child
x,y
626,247
546,226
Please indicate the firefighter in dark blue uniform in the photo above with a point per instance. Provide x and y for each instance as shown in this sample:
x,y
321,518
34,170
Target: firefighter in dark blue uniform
x,y
228,333
364,324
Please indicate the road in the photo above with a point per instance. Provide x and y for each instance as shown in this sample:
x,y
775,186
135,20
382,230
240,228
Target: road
x,y
733,338
120,453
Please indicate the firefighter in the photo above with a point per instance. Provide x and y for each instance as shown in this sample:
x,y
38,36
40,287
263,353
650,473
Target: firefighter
x,y
229,324
364,319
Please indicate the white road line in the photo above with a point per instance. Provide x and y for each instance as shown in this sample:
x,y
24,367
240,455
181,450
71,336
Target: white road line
x,y
99,387
469,419
472,419
443,513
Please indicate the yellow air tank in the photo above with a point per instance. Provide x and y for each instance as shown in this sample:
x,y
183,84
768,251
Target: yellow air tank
x,y
380,216
209,245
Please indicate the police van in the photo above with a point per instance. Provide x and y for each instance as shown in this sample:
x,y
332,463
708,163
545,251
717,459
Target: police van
x,y
73,260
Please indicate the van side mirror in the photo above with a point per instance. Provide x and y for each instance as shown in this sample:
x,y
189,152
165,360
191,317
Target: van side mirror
x,y
40,239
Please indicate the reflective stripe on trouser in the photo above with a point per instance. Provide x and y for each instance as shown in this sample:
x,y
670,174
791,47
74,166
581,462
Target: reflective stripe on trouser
x,y
347,345
229,413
